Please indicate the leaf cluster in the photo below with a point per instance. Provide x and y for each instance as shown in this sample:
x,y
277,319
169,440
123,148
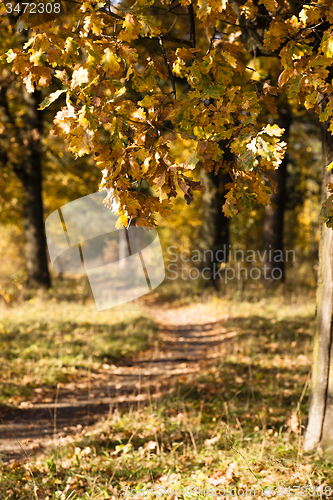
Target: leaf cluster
x,y
132,86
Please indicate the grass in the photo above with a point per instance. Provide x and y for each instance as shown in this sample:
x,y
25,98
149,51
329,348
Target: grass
x,y
47,340
236,424
179,443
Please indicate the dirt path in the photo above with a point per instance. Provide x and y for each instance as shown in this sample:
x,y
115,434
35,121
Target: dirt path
x,y
187,341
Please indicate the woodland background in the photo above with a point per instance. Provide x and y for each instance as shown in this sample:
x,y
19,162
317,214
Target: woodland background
x,y
236,420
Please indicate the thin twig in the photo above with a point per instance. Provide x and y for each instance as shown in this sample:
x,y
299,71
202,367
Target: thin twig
x,y
247,463
172,25
212,41
193,442
176,40
137,194
168,68
71,494
171,8
164,36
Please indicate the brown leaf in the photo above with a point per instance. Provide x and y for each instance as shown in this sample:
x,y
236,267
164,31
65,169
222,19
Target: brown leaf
x,y
269,103
294,423
284,77
151,445
160,180
269,89
214,440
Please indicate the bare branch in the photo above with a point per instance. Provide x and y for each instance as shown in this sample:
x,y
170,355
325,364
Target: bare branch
x,y
168,68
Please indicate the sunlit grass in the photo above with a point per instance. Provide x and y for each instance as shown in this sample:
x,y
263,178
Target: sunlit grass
x,y
46,341
236,424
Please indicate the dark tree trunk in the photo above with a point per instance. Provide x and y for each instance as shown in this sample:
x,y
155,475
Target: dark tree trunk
x,y
215,225
319,432
30,174
274,213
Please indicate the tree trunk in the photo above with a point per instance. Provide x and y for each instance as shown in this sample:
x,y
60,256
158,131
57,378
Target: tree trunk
x,y
215,225
274,213
30,174
319,432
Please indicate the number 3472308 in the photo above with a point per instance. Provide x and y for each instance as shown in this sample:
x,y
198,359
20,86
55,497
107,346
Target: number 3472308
x,y
33,8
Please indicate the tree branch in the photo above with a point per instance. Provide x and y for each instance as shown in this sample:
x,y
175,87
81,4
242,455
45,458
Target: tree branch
x,y
165,37
168,68
176,40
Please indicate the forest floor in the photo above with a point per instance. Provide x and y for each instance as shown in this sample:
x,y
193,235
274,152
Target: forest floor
x,y
186,342
189,392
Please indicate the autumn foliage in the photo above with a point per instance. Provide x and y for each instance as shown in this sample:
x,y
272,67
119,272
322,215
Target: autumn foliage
x,y
137,76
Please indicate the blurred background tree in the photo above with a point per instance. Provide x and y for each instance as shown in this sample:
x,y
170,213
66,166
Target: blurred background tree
x,y
201,225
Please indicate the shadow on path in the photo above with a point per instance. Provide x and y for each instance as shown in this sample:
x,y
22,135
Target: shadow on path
x,y
181,349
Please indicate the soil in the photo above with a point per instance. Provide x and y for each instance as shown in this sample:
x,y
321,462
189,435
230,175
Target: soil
x,y
187,340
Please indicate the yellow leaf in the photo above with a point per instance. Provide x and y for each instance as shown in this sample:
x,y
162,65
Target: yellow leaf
x,y
110,62
272,130
184,54
94,24
130,29
29,83
78,141
249,10
327,45
310,15
37,58
311,100
271,5
11,55
79,76
276,34
230,59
